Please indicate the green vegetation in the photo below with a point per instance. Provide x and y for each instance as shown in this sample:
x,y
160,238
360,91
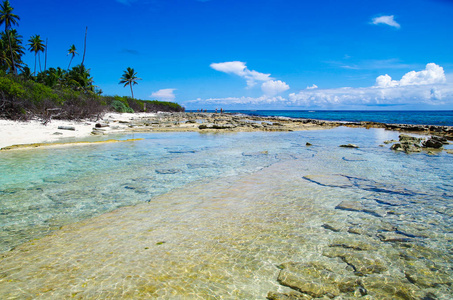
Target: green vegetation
x,y
56,92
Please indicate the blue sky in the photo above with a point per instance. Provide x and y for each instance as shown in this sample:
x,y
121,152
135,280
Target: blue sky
x,y
257,54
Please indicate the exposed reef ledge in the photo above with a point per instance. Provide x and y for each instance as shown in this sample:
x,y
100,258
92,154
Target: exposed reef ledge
x,y
214,122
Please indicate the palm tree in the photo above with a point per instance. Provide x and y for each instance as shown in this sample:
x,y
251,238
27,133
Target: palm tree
x,y
36,46
8,18
129,78
15,50
72,51
79,79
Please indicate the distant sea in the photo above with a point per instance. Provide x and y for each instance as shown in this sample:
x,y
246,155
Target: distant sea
x,y
440,118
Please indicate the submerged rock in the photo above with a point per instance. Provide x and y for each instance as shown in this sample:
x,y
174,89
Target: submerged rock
x,y
168,171
288,296
384,287
313,279
362,263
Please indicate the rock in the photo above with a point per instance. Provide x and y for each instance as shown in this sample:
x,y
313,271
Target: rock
x,y
362,263
100,125
67,128
393,237
57,133
450,151
386,287
353,244
313,279
330,227
350,205
349,146
406,147
288,296
390,142
308,144
417,272
409,139
433,142
168,171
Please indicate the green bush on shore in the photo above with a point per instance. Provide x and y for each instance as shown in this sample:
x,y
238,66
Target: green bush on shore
x,y
22,98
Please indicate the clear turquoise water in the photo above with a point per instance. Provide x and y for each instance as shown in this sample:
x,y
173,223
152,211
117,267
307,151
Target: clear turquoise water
x,y
43,189
228,208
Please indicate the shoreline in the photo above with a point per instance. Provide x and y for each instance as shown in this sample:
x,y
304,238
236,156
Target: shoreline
x,y
32,134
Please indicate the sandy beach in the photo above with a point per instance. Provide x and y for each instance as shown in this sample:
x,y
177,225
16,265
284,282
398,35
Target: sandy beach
x,y
34,131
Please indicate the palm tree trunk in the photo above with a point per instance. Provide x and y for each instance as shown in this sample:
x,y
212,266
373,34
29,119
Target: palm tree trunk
x,y
85,45
39,60
34,72
45,60
70,62
132,92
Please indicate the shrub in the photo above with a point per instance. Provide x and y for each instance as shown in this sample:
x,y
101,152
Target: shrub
x,y
11,88
120,107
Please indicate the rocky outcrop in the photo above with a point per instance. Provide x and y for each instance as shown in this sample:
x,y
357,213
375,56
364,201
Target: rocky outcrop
x,y
435,142
410,144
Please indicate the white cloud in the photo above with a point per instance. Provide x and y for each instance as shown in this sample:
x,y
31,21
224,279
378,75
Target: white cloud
x,y
240,69
386,81
433,74
274,87
387,20
425,87
314,86
164,95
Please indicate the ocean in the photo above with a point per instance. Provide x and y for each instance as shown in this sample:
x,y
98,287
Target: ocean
x,y
241,215
439,118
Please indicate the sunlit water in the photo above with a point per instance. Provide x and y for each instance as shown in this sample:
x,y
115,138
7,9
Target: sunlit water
x,y
213,215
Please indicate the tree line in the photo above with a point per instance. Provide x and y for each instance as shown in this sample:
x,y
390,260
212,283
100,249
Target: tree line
x,y
64,92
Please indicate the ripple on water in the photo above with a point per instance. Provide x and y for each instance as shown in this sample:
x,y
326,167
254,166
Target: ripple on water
x,y
237,226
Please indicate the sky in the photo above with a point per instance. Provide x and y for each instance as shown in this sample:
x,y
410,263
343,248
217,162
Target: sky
x,y
256,54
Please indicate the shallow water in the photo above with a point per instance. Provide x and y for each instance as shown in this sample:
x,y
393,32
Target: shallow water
x,y
215,215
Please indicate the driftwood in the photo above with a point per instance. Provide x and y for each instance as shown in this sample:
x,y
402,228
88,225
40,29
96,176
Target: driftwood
x,y
67,128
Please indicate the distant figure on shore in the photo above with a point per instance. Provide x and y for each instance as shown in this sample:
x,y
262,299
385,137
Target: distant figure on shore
x,y
221,110
216,110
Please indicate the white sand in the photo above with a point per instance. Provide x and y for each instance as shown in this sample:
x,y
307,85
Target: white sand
x,y
17,133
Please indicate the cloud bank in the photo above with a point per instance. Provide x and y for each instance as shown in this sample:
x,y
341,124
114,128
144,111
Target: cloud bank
x,y
164,95
269,86
425,87
386,20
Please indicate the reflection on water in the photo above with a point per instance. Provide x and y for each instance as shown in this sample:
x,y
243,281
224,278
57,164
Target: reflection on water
x,y
234,216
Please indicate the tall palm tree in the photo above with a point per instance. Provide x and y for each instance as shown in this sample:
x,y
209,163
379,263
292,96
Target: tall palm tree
x,y
15,50
129,78
36,45
8,18
72,51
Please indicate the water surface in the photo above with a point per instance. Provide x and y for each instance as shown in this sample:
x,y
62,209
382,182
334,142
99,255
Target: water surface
x,y
215,215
